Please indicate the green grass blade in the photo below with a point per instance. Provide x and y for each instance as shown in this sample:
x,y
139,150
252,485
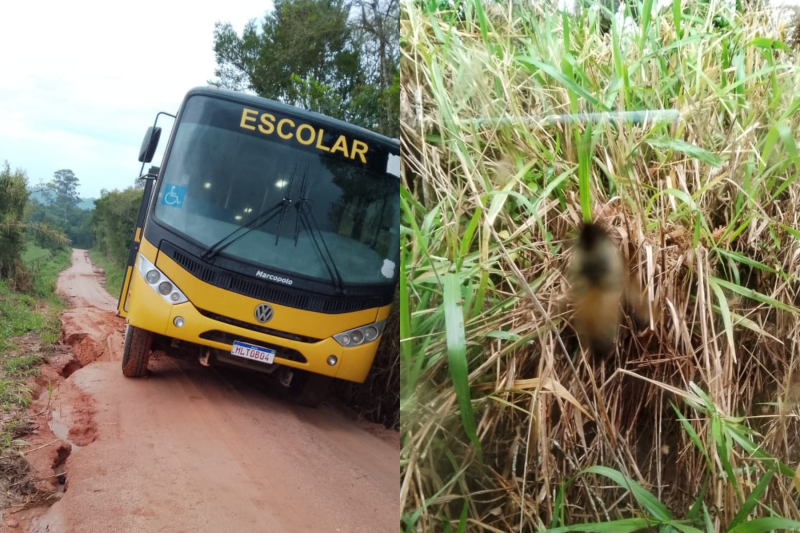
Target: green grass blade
x,y
531,61
680,195
466,240
759,453
481,20
698,504
647,11
462,519
585,151
649,502
752,499
683,527
691,150
624,525
677,15
722,443
707,520
764,525
457,355
765,43
754,295
743,259
693,436
726,314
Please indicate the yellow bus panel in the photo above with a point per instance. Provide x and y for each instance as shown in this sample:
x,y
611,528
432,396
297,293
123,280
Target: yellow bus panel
x,y
149,311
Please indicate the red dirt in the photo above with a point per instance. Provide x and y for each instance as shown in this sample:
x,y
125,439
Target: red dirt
x,y
191,448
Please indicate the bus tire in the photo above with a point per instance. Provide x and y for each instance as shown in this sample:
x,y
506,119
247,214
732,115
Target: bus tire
x,y
136,352
309,389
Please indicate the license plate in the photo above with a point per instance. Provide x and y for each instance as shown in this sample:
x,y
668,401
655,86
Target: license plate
x,y
256,353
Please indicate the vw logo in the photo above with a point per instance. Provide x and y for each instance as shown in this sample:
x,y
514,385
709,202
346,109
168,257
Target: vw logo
x,y
263,313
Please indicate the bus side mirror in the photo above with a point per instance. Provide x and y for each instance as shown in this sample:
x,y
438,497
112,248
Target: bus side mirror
x,y
149,145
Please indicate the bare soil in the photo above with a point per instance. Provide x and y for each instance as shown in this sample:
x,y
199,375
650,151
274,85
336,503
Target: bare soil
x,y
188,448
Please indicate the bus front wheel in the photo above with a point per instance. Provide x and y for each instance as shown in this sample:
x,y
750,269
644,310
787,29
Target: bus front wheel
x,y
136,353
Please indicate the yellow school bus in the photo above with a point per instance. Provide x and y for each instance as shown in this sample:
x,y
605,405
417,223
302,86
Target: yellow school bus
x,y
268,238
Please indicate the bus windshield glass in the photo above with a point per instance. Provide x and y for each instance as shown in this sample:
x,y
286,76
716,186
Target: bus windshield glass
x,y
283,192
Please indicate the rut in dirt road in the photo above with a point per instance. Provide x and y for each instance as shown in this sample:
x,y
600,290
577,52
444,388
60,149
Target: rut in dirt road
x,y
194,449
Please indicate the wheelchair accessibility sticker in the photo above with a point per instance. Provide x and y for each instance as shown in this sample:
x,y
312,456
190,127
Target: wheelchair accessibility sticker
x,y
173,195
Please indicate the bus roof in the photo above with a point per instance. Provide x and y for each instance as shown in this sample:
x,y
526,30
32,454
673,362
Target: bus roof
x,y
245,98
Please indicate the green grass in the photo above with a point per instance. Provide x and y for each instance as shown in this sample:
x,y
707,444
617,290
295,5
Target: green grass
x,y
36,310
29,323
507,423
23,365
115,274
13,395
33,252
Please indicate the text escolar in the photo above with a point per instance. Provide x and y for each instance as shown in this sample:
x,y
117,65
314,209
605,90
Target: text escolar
x,y
305,134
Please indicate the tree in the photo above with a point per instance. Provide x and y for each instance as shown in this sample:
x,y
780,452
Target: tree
x,y
114,221
378,22
13,197
60,210
329,56
308,38
65,187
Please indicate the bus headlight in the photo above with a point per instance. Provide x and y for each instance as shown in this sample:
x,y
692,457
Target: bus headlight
x,y
160,283
360,335
152,277
371,333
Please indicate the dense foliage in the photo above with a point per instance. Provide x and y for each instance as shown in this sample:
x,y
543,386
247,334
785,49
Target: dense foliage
x,y
114,221
57,205
13,197
19,229
336,57
508,425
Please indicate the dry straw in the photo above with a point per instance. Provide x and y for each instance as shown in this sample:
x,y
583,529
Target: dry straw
x,y
507,424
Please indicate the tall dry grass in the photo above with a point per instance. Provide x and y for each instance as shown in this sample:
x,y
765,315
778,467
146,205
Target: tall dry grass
x,y
507,424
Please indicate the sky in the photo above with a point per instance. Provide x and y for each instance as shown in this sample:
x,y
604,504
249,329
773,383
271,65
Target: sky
x,y
82,80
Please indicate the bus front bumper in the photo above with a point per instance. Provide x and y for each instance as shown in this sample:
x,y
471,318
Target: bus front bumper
x,y
148,311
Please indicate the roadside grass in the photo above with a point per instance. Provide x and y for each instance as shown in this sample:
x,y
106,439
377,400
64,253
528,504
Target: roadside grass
x,y
29,328
507,424
29,324
115,274
33,252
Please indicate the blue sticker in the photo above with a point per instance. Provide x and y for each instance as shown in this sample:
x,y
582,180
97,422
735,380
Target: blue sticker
x,y
173,195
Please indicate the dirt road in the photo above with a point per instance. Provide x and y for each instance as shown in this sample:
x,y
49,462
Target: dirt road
x,y
193,449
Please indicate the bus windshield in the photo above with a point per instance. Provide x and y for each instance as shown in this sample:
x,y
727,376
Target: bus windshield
x,y
283,193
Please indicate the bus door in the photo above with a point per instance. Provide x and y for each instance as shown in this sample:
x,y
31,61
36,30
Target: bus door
x,y
146,153
122,305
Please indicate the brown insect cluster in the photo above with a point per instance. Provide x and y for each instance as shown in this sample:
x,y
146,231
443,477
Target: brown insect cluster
x,y
602,290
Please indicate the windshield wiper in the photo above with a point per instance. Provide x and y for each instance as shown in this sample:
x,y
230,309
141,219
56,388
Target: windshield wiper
x,y
306,216
278,209
289,194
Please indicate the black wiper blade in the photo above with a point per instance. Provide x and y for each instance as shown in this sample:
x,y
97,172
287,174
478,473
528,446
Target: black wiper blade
x,y
213,250
310,223
300,203
289,195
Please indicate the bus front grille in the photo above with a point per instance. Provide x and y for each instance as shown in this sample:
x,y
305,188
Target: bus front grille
x,y
266,291
227,338
253,327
